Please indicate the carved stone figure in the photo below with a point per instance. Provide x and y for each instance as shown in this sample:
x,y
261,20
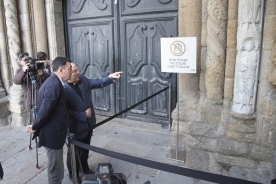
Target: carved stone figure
x,y
251,13
245,78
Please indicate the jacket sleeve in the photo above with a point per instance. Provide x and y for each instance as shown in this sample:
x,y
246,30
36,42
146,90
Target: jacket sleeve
x,y
50,97
100,83
77,116
19,77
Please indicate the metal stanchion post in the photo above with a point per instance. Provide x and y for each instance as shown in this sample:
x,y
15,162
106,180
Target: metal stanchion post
x,y
165,126
73,160
176,154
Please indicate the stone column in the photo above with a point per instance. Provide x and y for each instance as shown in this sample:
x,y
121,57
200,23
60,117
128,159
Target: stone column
x,y
216,43
231,49
5,70
51,28
25,27
16,105
189,83
40,26
12,32
266,104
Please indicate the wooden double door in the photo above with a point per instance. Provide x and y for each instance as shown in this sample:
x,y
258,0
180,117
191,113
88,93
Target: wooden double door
x,y
104,36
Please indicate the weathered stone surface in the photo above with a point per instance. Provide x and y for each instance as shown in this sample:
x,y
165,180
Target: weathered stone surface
x,y
270,7
187,108
228,89
241,127
17,108
4,112
233,9
203,143
214,166
229,161
240,136
19,119
269,32
265,66
203,129
267,103
197,159
266,133
4,121
180,141
230,63
231,147
273,165
231,33
250,175
209,112
260,153
202,83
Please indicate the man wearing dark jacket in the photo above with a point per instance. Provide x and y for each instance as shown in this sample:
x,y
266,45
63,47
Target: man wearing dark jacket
x,y
22,77
51,123
82,116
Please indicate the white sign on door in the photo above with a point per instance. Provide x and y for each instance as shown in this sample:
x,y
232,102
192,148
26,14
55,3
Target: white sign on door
x,y
178,55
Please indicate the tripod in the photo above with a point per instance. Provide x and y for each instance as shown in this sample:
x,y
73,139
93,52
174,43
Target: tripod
x,y
33,76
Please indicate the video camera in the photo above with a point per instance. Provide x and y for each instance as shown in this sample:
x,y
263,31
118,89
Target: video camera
x,y
104,175
34,65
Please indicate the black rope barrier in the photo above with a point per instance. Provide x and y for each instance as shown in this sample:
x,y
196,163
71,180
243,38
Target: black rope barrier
x,y
211,177
120,113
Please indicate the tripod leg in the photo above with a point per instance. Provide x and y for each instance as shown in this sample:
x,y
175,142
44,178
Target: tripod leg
x,y
30,145
37,166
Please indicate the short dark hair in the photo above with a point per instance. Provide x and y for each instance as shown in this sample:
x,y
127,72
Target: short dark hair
x,y
59,62
41,55
23,56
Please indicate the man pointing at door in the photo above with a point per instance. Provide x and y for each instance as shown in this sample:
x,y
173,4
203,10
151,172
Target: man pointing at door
x,y
78,94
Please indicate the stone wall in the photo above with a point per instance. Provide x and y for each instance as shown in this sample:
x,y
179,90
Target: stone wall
x,y
25,26
230,129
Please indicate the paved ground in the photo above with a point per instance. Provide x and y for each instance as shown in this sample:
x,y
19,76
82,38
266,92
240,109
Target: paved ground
x,y
145,140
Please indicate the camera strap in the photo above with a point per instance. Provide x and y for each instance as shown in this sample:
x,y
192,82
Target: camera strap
x,y
211,177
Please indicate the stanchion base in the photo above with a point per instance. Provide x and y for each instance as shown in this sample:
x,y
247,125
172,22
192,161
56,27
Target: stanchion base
x,y
176,155
166,127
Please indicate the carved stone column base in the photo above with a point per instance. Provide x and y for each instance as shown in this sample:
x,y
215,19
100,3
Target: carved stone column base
x,y
17,108
4,111
19,119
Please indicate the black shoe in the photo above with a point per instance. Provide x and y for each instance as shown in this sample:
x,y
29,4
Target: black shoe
x,y
71,179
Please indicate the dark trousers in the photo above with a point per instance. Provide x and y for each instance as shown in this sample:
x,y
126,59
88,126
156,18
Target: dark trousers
x,y
83,154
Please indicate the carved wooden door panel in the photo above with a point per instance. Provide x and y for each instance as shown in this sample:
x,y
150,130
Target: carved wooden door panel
x,y
90,43
104,36
143,23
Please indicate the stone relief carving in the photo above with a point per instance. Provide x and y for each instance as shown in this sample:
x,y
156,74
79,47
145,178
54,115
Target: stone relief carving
x,y
164,1
271,76
137,49
133,3
251,14
246,78
100,4
216,42
155,61
86,39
